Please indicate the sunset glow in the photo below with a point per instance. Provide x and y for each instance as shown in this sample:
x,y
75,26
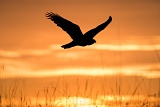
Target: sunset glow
x,y
57,47
87,102
145,70
121,67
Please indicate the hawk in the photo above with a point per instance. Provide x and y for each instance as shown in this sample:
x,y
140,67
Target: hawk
x,y
74,31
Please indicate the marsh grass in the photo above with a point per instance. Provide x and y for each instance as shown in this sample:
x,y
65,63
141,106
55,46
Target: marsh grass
x,y
60,94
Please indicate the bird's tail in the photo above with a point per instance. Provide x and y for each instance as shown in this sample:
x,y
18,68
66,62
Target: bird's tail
x,y
69,45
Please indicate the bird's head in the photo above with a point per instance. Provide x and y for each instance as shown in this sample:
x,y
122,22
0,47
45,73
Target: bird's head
x,y
92,41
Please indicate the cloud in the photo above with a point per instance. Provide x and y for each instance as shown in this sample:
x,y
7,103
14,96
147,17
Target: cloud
x,y
24,71
89,60
115,47
124,47
9,53
75,52
18,53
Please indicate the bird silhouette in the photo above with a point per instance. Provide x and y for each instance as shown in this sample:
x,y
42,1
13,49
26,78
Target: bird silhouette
x,y
79,39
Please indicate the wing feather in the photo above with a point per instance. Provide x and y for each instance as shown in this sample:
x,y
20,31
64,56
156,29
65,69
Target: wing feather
x,y
91,33
72,29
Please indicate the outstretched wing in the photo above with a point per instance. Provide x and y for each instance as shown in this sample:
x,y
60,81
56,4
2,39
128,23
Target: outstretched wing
x,y
72,29
91,33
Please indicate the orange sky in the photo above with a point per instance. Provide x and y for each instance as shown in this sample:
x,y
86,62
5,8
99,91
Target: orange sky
x,y
30,43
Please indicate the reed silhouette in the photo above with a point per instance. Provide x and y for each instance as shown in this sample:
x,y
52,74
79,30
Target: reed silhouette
x,y
79,39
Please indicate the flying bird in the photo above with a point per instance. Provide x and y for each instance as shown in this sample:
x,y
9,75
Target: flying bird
x,y
79,39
